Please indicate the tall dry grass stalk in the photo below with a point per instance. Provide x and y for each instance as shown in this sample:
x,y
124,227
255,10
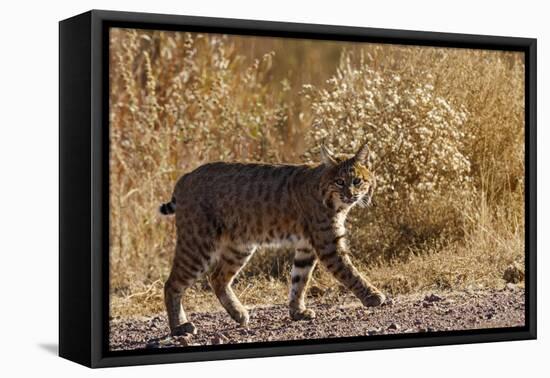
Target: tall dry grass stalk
x,y
446,127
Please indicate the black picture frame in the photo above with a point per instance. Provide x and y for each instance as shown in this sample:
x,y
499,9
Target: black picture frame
x,y
84,191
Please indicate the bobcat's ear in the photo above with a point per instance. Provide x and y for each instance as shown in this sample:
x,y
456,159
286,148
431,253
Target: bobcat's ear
x,y
363,156
327,157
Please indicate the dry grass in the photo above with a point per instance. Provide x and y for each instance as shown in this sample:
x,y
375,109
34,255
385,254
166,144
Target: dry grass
x,y
445,124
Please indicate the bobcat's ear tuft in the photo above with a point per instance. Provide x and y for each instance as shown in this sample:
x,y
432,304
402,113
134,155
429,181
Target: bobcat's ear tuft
x,y
363,156
327,157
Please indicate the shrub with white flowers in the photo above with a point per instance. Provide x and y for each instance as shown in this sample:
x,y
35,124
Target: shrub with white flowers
x,y
416,138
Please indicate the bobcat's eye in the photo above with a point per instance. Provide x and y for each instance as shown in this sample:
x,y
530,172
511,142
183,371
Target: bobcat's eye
x,y
357,181
340,182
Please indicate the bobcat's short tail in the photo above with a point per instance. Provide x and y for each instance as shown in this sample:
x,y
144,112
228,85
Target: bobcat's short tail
x,y
168,208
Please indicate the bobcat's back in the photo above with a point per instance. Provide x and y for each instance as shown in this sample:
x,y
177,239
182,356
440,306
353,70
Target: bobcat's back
x,y
246,203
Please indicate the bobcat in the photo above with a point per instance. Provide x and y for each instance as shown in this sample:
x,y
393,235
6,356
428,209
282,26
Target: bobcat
x,y
224,211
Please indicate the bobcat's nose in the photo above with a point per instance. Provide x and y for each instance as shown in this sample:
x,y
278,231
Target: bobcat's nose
x,y
349,200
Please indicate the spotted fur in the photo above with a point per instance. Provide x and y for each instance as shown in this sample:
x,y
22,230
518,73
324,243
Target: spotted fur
x,y
224,211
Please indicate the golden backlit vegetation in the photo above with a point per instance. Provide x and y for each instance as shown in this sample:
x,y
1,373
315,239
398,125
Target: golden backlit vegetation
x,y
446,127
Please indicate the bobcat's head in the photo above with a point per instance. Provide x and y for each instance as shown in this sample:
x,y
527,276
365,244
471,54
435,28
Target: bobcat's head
x,y
348,179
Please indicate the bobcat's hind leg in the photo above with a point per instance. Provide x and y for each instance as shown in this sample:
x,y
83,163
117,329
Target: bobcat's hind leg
x,y
302,268
177,319
189,265
229,264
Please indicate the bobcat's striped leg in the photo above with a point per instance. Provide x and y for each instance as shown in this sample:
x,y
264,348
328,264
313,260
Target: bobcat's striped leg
x,y
230,263
190,263
333,255
304,263
177,319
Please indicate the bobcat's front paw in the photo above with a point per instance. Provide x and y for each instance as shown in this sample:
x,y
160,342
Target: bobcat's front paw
x,y
241,316
306,314
374,299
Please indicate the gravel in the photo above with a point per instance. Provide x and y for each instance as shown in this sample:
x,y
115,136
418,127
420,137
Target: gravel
x,y
430,312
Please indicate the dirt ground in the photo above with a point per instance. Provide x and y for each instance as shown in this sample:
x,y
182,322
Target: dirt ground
x,y
427,312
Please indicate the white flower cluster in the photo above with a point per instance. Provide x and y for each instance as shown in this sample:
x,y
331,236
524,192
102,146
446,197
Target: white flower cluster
x,y
417,138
